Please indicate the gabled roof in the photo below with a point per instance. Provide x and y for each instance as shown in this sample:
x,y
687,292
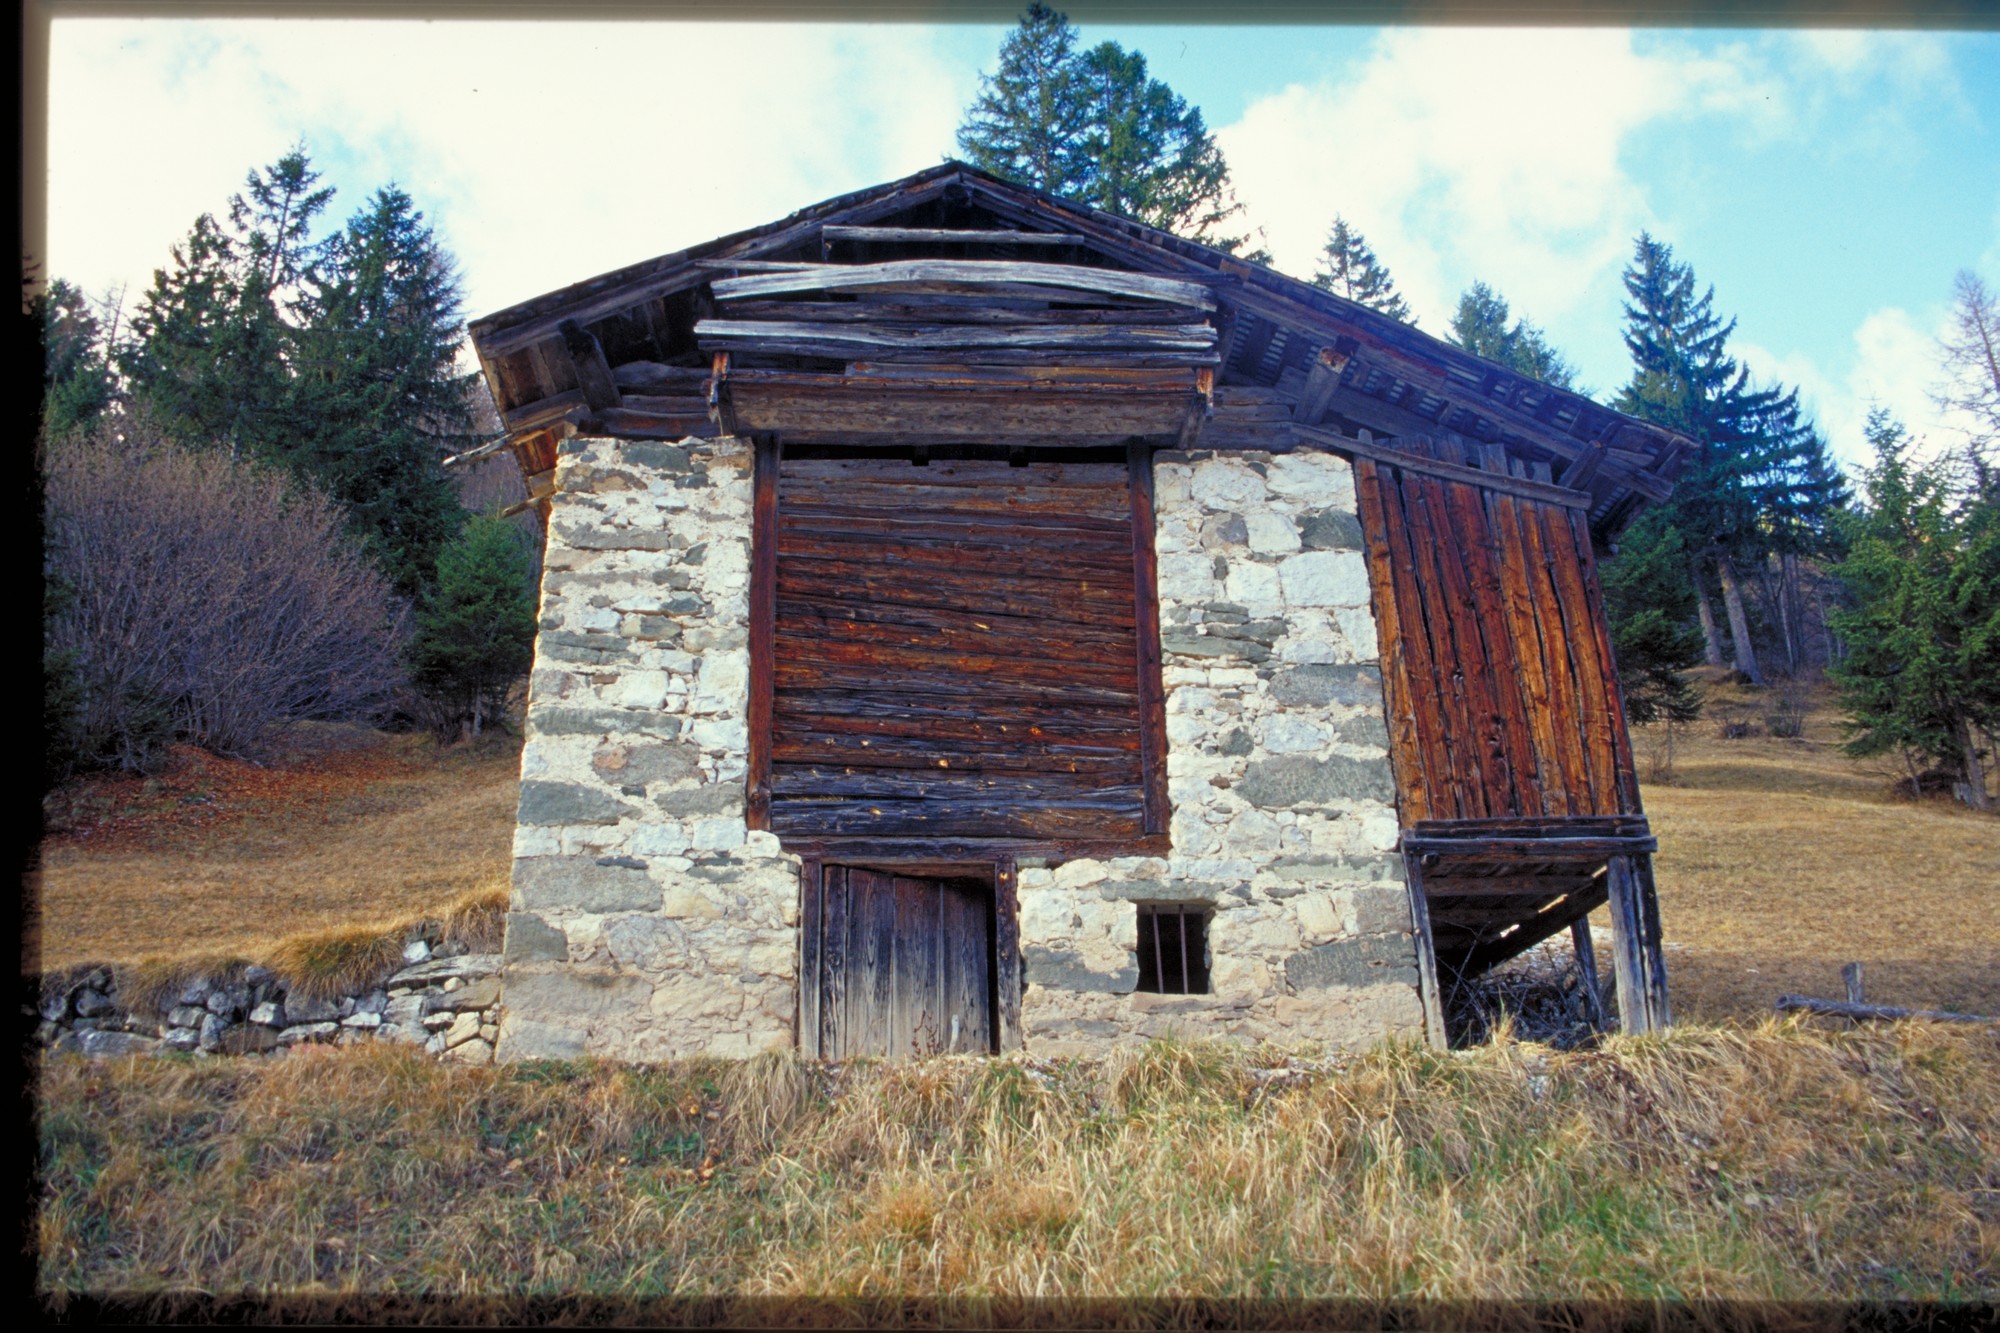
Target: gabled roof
x,y
1281,364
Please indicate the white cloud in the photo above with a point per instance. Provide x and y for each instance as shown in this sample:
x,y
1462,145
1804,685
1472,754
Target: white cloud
x,y
545,153
1463,153
1895,367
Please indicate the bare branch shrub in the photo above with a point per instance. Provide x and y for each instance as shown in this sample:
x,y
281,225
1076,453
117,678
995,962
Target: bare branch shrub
x,y
204,600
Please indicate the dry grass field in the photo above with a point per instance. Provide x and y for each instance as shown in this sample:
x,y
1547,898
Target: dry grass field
x,y
1746,1163
1780,860
344,826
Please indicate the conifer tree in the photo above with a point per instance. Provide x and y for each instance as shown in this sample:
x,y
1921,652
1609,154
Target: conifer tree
x,y
1650,606
1095,127
1760,481
1027,121
334,357
1349,268
476,631
76,374
1480,325
207,361
1922,671
378,398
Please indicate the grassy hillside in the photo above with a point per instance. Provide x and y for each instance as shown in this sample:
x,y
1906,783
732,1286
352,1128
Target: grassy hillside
x,y
1744,1164
1780,860
345,826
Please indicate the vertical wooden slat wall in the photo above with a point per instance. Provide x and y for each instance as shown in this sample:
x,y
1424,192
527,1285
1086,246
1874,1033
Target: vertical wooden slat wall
x,y
1503,701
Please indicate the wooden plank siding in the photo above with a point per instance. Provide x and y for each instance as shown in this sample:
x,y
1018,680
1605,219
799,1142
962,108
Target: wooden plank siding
x,y
957,651
1496,666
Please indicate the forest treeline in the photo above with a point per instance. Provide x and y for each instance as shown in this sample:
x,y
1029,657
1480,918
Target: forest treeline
x,y
327,364
246,517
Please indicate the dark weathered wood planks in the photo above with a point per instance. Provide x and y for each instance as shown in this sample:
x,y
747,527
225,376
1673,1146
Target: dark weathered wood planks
x,y
960,650
1503,696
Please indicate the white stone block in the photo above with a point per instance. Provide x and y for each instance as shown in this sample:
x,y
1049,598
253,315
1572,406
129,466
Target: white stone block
x,y
1271,533
535,841
1289,733
717,835
1317,479
663,838
1225,483
724,734
1084,870
1316,916
685,903
1325,578
640,689
1255,587
1357,626
1380,831
1250,833
1187,577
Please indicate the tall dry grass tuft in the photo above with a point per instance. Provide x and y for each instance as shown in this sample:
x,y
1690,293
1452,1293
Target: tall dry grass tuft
x,y
1775,1162
313,964
342,961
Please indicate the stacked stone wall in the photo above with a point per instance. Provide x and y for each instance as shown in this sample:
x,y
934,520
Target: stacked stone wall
x,y
448,1003
1284,821
647,922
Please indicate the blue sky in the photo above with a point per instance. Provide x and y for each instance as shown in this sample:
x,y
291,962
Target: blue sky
x,y
1828,184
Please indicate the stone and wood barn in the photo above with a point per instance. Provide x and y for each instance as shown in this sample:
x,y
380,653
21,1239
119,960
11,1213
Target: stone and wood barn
x,y
972,621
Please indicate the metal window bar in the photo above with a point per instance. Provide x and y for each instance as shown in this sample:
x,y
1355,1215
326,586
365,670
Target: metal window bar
x,y
1173,949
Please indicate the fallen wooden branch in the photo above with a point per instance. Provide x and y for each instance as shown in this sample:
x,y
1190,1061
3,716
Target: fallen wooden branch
x,y
1841,1009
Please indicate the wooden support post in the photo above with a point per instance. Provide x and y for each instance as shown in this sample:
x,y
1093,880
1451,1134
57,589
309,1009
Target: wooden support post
x,y
1006,955
1427,973
809,1020
1656,960
763,626
1851,975
1635,945
1586,968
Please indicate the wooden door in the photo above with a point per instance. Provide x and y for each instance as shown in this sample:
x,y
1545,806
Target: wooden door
x,y
905,965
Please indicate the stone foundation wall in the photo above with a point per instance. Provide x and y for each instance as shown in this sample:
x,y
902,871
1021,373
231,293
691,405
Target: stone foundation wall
x,y
647,921
447,1003
1284,817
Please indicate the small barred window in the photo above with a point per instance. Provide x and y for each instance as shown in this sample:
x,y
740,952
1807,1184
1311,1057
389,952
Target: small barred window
x,y
1173,949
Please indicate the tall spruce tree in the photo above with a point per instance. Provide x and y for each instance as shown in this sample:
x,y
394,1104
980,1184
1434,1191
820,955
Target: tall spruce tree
x,y
1480,325
208,356
1027,122
1349,268
378,396
1095,127
334,356
1921,675
76,372
1759,470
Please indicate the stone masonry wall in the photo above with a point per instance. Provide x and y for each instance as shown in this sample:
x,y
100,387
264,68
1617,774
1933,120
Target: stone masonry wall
x,y
1284,817
647,921
446,1002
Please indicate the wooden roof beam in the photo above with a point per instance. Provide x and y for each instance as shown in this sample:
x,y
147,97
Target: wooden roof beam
x,y
926,235
593,372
